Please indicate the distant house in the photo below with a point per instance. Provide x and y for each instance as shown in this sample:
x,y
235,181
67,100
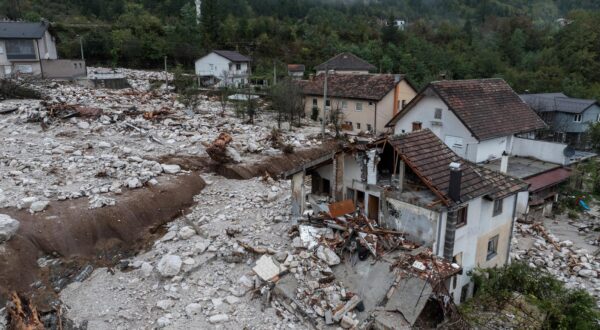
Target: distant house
x,y
296,71
223,68
366,102
477,119
346,63
400,24
568,118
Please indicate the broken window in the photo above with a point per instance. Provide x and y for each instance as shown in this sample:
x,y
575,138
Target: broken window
x,y
416,126
461,217
492,247
438,113
498,207
577,118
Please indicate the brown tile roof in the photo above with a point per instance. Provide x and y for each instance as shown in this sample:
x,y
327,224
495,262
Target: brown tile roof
x,y
489,108
295,67
430,159
361,86
346,61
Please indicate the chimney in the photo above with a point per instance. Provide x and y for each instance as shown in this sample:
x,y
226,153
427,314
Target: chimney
x,y
504,163
455,178
397,78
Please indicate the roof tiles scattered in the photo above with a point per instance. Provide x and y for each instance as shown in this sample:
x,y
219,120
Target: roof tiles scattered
x,y
363,87
430,159
346,62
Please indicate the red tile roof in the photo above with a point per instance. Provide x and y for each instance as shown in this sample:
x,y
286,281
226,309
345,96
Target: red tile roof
x,y
489,108
373,87
430,159
548,179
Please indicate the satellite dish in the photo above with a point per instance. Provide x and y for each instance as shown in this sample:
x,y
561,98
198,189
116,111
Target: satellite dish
x,y
569,152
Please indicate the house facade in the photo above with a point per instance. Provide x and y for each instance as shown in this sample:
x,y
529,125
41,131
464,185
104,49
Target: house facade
x,y
222,68
23,47
346,63
568,118
296,71
414,183
365,103
477,119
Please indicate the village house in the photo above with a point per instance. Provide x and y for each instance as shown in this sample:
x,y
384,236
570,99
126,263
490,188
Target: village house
x,y
569,118
415,184
346,63
486,122
223,68
364,103
296,71
30,49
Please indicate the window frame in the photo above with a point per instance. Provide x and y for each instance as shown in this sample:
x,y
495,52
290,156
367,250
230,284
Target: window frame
x,y
358,126
437,114
314,101
369,128
497,209
238,67
578,118
462,216
11,45
358,106
493,243
344,105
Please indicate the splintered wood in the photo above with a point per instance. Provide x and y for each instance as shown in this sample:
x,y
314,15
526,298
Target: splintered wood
x,y
22,314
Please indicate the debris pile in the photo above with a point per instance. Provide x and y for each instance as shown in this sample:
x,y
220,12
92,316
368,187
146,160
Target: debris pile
x,y
220,151
578,268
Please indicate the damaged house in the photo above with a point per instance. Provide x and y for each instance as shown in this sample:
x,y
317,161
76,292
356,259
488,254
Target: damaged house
x,y
415,184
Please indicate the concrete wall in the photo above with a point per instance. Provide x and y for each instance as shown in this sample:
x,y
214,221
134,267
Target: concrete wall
x,y
214,65
543,150
64,69
45,48
418,222
493,148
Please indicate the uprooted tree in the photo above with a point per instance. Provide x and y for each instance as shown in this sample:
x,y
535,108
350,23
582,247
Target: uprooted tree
x,y
17,89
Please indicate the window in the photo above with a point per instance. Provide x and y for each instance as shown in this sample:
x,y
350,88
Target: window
x,y
416,126
20,49
403,104
438,113
315,102
577,118
461,217
328,103
498,207
370,103
492,247
344,104
369,128
357,125
349,125
358,106
598,119
238,67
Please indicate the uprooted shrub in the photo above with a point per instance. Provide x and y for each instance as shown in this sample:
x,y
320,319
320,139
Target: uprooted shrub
x,y
563,308
12,89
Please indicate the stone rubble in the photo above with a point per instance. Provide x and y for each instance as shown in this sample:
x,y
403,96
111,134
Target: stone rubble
x,y
8,227
51,155
577,268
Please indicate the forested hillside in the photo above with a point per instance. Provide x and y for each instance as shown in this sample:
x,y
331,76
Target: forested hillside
x,y
518,40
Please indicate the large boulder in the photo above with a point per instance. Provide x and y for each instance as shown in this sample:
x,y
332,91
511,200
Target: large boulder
x,y
169,265
8,227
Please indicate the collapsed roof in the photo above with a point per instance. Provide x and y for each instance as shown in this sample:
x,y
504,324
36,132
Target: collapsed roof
x,y
430,158
489,108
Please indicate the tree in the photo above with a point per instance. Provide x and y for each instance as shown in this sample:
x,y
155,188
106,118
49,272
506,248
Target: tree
x,y
211,20
288,101
224,93
593,136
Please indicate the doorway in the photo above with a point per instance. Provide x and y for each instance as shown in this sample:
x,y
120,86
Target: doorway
x,y
374,208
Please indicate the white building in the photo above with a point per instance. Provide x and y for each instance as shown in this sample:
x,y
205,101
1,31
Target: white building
x,y
415,184
23,47
222,68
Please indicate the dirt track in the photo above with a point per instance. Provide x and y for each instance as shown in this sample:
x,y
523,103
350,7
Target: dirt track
x,y
78,235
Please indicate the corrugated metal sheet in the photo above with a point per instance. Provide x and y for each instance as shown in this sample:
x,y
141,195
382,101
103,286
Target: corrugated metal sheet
x,y
548,179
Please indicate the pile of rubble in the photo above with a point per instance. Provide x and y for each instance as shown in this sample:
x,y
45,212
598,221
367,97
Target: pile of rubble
x,y
577,268
84,142
138,79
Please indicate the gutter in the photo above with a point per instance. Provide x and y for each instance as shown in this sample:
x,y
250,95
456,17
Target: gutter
x,y
439,234
512,227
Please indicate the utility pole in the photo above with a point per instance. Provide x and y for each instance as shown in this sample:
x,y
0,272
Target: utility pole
x,y
166,75
81,47
274,73
324,104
